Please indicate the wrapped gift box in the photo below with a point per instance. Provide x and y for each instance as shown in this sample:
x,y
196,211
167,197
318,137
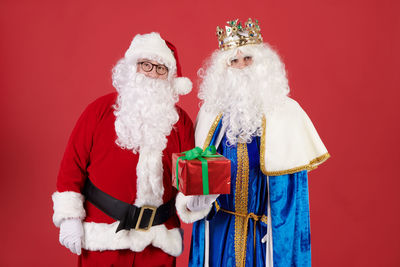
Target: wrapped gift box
x,y
191,178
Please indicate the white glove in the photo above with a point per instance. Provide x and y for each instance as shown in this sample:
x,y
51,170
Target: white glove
x,y
201,202
71,234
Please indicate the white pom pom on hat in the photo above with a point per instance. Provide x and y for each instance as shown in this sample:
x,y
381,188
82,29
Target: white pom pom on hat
x,y
182,85
152,46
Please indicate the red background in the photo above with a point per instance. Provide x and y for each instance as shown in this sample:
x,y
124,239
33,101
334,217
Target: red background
x,y
343,64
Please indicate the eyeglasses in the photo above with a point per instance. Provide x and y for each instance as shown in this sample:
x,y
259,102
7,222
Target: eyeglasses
x,y
148,66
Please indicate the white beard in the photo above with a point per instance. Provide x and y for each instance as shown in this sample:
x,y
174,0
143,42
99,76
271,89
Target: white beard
x,y
242,106
145,113
244,95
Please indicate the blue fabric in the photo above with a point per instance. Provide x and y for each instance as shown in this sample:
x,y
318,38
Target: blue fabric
x,y
289,212
290,219
196,256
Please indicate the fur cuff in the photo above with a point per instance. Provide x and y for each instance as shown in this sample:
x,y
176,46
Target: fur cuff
x,y
186,215
102,236
67,205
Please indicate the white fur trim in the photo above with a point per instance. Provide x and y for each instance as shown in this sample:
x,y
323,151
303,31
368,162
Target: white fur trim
x,y
67,205
149,46
102,236
182,85
203,125
186,215
291,141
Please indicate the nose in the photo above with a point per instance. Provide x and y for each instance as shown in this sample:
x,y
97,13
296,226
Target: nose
x,y
241,64
152,73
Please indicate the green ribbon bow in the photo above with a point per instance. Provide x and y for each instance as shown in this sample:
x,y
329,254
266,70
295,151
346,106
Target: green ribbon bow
x,y
198,153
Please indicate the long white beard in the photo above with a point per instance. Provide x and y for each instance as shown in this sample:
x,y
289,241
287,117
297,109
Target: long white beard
x,y
243,107
244,95
240,102
145,113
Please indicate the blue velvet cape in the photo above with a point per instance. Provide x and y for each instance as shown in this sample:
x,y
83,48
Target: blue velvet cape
x,y
289,212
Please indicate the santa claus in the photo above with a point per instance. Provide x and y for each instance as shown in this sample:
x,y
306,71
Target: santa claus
x,y
272,144
115,204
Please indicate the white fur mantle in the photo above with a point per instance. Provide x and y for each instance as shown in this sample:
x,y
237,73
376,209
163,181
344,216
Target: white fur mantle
x,y
289,142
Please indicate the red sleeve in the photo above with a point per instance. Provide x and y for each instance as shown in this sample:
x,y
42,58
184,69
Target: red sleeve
x,y
72,174
186,131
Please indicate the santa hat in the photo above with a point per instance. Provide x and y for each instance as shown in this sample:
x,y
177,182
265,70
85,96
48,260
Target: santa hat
x,y
152,46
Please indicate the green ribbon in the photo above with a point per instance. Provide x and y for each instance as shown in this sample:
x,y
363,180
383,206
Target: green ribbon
x,y
198,153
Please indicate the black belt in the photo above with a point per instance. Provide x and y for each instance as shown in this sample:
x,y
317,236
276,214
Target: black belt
x,y
130,216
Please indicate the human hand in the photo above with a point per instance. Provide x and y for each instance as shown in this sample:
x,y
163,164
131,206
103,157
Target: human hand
x,y
201,202
71,235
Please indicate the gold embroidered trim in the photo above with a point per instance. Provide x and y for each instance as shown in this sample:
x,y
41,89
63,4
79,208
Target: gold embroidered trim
x,y
211,131
309,167
241,196
247,217
320,159
262,147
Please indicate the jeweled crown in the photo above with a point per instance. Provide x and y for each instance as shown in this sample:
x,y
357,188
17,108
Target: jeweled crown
x,y
236,35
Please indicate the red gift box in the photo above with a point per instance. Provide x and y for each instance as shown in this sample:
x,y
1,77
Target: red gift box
x,y
191,176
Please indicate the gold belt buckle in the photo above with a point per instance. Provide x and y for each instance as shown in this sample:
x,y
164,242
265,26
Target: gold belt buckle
x,y
153,214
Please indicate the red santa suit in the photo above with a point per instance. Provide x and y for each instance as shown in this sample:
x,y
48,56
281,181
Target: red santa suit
x,y
92,153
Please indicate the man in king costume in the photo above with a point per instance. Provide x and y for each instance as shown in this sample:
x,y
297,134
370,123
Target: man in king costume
x,y
115,204
272,145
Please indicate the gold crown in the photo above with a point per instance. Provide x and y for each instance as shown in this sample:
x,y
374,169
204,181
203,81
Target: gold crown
x,y
236,35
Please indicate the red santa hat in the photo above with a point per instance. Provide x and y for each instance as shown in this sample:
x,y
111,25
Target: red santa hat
x,y
152,46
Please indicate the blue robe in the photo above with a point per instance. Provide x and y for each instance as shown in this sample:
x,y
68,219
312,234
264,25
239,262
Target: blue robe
x,y
249,193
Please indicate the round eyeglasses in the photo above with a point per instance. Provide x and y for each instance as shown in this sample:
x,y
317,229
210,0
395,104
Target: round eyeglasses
x,y
148,66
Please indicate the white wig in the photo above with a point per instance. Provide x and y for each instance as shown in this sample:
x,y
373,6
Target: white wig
x,y
243,95
267,70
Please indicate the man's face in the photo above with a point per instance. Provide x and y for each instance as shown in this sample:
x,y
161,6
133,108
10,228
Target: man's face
x,y
152,69
240,61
